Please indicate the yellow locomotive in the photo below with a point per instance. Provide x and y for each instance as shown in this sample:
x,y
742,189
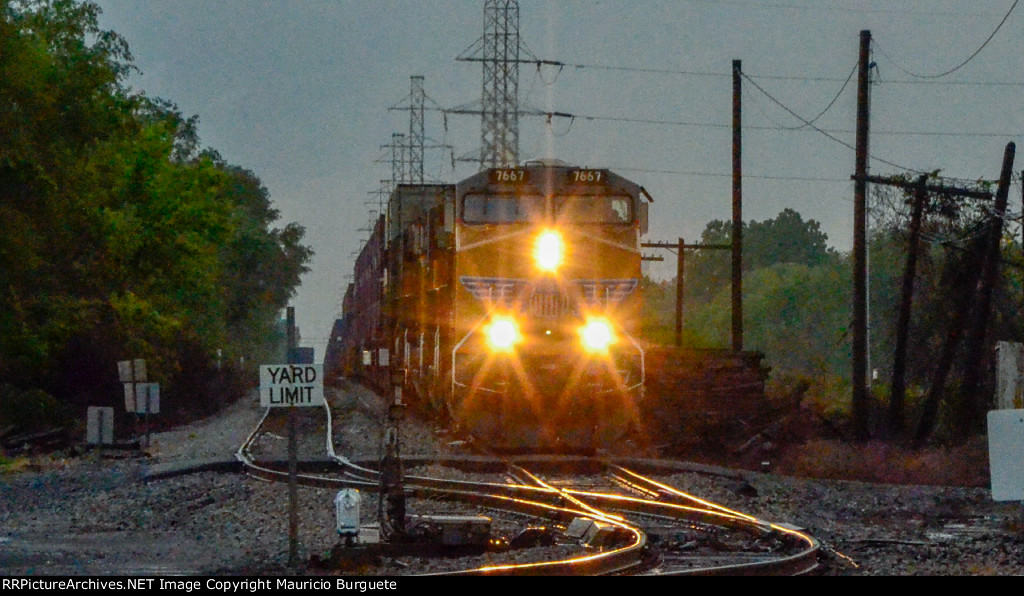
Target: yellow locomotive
x,y
511,302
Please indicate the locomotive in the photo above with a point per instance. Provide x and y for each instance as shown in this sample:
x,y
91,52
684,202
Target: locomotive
x,y
510,302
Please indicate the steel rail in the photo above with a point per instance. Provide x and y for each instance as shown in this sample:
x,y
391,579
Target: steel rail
x,y
546,501
615,560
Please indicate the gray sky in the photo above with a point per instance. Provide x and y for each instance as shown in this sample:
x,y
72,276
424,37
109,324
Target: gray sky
x,y
299,92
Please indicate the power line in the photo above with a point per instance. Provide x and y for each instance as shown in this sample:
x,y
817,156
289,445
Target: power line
x,y
958,66
722,75
778,127
817,6
724,175
822,131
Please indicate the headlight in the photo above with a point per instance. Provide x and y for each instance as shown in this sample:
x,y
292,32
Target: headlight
x,y
597,335
502,333
548,252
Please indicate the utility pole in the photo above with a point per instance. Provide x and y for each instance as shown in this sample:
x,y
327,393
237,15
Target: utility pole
x,y
971,403
680,248
922,189
737,211
898,391
976,276
680,290
860,279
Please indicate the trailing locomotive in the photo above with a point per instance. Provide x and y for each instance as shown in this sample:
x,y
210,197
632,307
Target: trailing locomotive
x,y
510,302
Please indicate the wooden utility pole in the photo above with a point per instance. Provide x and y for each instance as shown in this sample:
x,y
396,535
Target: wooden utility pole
x,y
921,188
980,277
898,391
860,279
737,210
971,403
680,289
680,248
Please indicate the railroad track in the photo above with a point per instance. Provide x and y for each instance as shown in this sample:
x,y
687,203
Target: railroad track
x,y
637,524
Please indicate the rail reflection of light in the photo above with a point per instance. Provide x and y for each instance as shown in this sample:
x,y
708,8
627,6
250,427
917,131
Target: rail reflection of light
x,y
637,537
719,508
689,497
603,516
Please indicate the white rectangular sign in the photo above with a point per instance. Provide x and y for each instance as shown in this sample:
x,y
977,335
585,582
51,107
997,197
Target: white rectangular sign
x,y
99,429
126,367
147,395
283,385
1006,454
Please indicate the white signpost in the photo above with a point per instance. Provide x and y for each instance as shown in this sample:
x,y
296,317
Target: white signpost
x,y
1006,425
290,386
287,385
147,398
99,426
1005,446
132,371
140,397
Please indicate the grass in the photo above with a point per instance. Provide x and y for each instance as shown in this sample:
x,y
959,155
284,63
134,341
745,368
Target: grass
x,y
885,463
13,465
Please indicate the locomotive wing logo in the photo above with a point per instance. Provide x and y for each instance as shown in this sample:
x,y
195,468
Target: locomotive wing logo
x,y
606,291
505,291
494,290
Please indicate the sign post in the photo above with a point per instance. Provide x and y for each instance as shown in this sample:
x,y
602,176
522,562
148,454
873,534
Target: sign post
x,y
130,373
147,401
290,386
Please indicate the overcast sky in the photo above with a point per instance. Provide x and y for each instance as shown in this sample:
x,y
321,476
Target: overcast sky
x,y
299,92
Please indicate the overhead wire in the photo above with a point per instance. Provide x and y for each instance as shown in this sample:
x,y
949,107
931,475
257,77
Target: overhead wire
x,y
822,131
722,75
958,66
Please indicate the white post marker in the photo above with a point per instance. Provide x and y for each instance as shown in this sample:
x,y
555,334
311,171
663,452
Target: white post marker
x,y
286,385
99,426
1005,449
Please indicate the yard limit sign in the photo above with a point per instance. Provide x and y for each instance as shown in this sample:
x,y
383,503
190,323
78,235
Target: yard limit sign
x,y
291,386
287,385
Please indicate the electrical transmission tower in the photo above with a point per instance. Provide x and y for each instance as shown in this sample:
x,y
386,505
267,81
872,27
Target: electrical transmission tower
x,y
499,51
410,158
399,163
417,97
411,168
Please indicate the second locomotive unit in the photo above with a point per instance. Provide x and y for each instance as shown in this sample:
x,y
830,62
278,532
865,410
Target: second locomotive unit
x,y
510,301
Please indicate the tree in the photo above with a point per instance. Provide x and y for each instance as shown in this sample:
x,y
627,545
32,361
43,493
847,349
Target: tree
x,y
120,237
785,239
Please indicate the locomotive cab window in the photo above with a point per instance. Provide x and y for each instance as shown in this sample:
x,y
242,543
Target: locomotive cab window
x,y
481,209
593,209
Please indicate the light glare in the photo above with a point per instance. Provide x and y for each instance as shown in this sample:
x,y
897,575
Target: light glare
x,y
548,253
597,335
502,333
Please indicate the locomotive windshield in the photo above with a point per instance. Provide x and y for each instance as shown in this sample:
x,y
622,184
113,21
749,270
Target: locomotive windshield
x,y
502,208
587,209
593,209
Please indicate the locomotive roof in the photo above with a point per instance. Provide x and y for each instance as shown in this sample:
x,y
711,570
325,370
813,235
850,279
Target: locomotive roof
x,y
542,175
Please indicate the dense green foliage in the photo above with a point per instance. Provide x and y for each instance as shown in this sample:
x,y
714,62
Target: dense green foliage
x,y
120,237
797,302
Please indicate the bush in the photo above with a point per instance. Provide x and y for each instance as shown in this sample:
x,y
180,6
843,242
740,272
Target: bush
x,y
33,409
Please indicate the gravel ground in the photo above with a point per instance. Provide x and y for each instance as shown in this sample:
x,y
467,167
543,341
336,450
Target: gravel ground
x,y
93,515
